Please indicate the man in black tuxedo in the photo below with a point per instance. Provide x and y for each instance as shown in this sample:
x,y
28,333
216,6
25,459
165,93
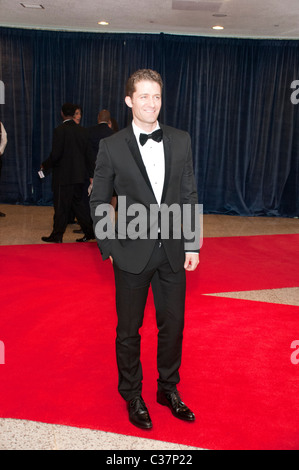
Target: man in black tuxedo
x,y
70,157
146,173
101,130
97,133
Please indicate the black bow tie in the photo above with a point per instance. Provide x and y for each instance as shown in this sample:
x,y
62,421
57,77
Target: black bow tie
x,y
157,136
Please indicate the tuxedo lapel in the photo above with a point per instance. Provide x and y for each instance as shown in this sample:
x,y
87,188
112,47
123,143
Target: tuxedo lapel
x,y
133,146
167,157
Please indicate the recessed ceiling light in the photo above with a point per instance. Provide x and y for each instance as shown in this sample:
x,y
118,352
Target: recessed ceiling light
x,y
103,23
218,27
32,5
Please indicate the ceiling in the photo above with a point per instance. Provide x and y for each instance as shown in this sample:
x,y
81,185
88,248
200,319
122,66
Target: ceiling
x,y
240,18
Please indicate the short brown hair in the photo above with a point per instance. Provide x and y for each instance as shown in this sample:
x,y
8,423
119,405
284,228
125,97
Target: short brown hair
x,y
142,75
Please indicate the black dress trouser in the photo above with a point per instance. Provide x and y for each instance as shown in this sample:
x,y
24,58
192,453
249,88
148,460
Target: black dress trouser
x,y
68,199
169,297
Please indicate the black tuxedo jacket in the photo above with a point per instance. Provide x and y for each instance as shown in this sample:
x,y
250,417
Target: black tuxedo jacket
x,y
71,155
120,166
96,134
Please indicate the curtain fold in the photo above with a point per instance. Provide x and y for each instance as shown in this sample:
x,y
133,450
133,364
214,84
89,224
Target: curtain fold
x,y
233,97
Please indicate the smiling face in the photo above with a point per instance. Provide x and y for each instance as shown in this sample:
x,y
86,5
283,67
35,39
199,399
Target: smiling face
x,y
145,104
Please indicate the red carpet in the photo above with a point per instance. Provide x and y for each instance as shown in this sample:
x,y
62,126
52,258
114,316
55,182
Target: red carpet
x,y
57,323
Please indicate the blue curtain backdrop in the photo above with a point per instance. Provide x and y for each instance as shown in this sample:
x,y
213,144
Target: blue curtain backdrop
x,y
233,97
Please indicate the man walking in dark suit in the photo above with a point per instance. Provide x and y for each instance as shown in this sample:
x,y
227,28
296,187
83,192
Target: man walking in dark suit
x,y
70,157
148,166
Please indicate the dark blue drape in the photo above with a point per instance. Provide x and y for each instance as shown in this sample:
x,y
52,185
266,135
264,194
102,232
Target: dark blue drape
x,y
233,96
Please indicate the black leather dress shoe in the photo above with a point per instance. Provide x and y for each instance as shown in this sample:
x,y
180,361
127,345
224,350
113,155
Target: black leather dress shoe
x,y
138,413
177,407
2,214
51,239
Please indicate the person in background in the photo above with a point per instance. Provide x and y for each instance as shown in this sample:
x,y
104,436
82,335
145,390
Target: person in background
x,y
3,143
104,128
78,114
69,160
77,118
114,125
100,131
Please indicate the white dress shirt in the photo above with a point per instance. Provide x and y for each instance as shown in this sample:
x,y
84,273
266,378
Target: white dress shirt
x,y
153,158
